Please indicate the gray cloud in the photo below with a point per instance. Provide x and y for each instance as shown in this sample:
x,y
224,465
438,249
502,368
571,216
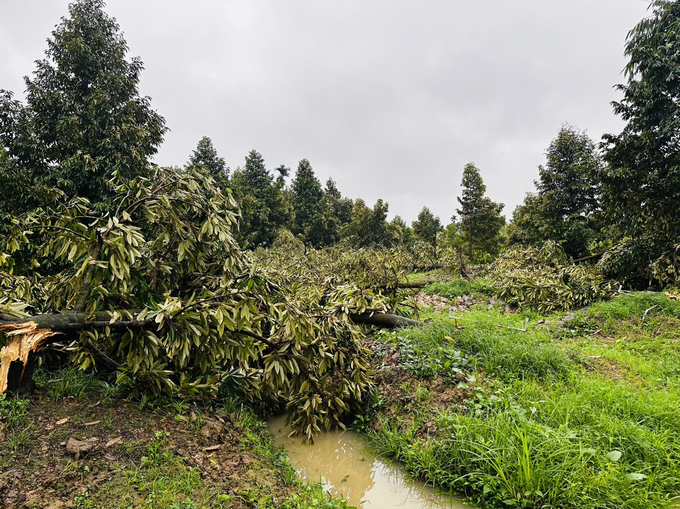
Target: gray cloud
x,y
391,98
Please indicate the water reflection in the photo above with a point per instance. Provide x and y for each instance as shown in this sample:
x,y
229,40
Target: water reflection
x,y
341,461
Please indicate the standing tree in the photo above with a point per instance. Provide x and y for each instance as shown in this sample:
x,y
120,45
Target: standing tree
x,y
480,218
566,206
340,208
369,228
405,232
426,227
84,120
641,185
263,205
310,211
205,155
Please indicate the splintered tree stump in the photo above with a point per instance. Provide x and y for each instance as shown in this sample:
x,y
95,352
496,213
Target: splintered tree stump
x,y
20,377
17,358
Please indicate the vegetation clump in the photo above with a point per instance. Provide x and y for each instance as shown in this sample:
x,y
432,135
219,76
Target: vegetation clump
x,y
546,280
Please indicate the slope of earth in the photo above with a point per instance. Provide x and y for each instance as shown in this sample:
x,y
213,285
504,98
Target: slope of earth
x,y
76,445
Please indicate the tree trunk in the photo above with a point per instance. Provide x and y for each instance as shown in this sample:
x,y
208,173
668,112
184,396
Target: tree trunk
x,y
403,286
385,320
27,336
17,358
20,377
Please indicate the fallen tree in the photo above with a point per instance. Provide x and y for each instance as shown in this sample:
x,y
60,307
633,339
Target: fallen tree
x,y
157,290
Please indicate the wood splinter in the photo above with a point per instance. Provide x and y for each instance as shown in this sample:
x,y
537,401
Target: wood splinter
x,y
16,359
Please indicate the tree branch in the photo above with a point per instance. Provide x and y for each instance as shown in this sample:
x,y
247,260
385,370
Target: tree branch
x,y
85,290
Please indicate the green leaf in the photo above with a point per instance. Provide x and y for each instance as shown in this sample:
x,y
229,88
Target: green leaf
x,y
613,455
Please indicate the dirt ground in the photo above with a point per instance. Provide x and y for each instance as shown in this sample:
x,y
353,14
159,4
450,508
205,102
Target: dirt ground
x,y
73,450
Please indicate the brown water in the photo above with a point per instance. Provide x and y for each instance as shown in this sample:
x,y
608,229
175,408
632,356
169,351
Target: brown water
x,y
344,465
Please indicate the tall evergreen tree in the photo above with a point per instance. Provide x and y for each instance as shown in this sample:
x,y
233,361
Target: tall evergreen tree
x,y
84,119
406,235
642,182
263,206
566,206
369,228
205,155
341,208
307,197
480,218
426,227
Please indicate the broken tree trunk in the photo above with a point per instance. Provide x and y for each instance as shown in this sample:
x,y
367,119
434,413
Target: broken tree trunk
x,y
17,358
407,285
28,335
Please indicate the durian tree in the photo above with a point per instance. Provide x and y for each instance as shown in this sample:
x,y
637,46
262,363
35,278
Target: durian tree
x,y
158,290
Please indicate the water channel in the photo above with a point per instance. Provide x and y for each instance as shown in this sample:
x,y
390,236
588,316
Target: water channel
x,y
345,465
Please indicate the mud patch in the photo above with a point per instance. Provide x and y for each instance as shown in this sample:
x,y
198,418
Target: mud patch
x,y
404,395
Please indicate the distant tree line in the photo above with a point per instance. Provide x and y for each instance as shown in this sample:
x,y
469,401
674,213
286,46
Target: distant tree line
x,y
618,202
321,216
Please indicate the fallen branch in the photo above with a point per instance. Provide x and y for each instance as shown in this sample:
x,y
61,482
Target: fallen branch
x,y
647,312
591,257
403,286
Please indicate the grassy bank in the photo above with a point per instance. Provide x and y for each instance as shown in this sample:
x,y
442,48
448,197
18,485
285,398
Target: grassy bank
x,y
570,411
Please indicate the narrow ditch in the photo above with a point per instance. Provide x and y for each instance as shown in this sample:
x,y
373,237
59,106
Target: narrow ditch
x,y
347,468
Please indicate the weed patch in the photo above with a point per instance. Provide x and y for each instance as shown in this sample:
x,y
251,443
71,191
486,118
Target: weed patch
x,y
458,287
489,340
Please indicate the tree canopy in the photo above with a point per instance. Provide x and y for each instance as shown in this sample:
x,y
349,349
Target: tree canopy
x,y
566,206
206,155
641,184
84,120
427,227
263,206
480,218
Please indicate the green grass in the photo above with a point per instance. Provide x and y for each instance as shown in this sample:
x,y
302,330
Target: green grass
x,y
14,422
73,382
590,445
552,425
491,341
459,287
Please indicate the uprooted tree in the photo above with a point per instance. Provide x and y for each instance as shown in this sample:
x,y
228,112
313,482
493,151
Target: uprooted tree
x,y
158,290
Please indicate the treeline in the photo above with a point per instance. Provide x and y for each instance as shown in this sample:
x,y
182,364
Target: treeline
x,y
617,202
320,216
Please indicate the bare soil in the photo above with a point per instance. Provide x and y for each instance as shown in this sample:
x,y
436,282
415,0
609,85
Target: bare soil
x,y
71,447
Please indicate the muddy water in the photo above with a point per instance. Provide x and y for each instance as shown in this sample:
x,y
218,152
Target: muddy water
x,y
341,461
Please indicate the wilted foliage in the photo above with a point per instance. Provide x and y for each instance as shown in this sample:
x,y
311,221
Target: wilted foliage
x,y
545,279
159,291
368,268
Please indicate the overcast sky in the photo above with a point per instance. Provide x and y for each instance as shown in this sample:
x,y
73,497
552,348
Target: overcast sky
x,y
389,97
